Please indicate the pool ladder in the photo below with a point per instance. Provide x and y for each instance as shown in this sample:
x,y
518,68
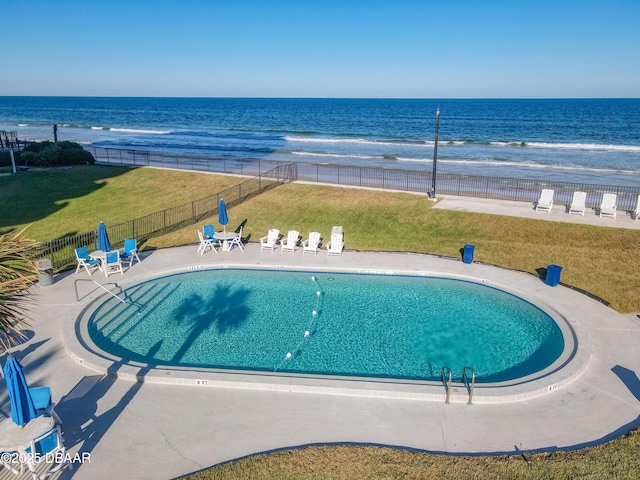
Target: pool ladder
x,y
114,295
468,380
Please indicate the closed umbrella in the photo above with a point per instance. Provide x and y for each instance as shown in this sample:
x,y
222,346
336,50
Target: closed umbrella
x,y
103,238
222,215
22,408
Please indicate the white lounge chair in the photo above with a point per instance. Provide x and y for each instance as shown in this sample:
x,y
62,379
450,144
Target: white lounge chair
x,y
545,202
608,207
311,244
269,242
636,214
205,244
335,245
112,263
578,203
84,260
289,244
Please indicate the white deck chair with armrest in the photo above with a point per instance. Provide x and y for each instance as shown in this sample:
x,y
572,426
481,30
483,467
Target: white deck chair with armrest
x,y
237,241
84,260
545,202
289,244
608,207
269,242
50,448
112,263
335,245
578,203
129,252
636,214
205,243
311,244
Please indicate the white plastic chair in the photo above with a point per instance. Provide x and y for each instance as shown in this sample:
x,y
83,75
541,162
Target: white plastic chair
x,y
289,244
637,212
129,252
335,245
48,447
237,241
269,242
578,203
311,244
112,263
205,244
84,260
545,202
608,207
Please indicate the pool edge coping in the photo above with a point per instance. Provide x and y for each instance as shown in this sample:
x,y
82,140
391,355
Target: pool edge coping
x,y
560,376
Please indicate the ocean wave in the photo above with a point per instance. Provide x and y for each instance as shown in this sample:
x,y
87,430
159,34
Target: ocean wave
x,y
359,141
585,146
534,165
139,131
462,143
337,155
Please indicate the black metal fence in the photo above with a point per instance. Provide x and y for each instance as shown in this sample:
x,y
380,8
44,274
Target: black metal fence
x,y
371,177
62,251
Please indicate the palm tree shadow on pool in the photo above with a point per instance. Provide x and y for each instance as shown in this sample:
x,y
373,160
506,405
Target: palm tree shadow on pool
x,y
225,309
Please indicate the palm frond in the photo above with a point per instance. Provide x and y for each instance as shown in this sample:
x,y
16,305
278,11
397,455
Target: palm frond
x,y
17,275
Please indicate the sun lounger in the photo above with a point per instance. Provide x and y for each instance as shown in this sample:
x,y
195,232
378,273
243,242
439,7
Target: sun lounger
x,y
545,202
289,244
608,207
578,203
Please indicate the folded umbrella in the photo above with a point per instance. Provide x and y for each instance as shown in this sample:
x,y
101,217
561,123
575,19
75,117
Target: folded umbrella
x,y
22,407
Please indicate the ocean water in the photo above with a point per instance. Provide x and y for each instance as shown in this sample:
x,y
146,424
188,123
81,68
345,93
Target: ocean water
x,y
573,140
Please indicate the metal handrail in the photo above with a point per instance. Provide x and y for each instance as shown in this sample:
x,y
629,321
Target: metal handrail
x,y
75,285
465,381
447,384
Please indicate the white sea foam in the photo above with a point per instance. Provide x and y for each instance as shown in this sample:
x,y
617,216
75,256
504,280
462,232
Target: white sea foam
x,y
336,155
356,141
570,146
141,132
23,124
98,128
429,144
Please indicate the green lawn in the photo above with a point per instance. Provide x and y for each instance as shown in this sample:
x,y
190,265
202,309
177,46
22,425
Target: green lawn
x,y
604,261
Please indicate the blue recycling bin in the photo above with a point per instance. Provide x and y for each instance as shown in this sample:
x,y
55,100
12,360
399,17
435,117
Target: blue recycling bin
x,y
553,275
467,253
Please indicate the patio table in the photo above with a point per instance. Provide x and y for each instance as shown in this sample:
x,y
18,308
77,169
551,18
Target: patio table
x,y
225,237
14,438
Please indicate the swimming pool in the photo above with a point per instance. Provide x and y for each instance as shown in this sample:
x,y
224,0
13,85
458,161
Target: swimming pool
x,y
328,323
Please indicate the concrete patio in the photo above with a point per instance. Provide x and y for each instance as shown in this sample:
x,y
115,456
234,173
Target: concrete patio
x,y
166,425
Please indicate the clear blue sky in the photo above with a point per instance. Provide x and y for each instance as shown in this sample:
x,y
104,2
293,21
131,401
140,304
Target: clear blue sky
x,y
322,48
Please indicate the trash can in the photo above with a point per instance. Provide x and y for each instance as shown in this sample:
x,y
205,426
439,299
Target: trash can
x,y
44,266
553,275
467,253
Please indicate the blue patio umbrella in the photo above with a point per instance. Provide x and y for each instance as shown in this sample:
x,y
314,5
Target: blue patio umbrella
x,y
103,238
222,215
22,408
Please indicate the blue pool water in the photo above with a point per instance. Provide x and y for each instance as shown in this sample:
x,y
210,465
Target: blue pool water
x,y
386,326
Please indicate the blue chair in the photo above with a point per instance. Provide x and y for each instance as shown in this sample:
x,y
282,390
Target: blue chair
x,y
209,232
84,260
41,397
112,263
129,252
48,447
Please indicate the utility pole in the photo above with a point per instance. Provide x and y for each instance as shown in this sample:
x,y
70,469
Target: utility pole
x,y
435,157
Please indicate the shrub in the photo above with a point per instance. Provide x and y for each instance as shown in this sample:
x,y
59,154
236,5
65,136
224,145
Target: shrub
x,y
48,154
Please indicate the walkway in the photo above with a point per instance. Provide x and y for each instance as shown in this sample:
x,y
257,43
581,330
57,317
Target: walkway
x,y
164,430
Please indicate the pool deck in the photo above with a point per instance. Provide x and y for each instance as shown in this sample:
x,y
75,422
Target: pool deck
x,y
155,429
